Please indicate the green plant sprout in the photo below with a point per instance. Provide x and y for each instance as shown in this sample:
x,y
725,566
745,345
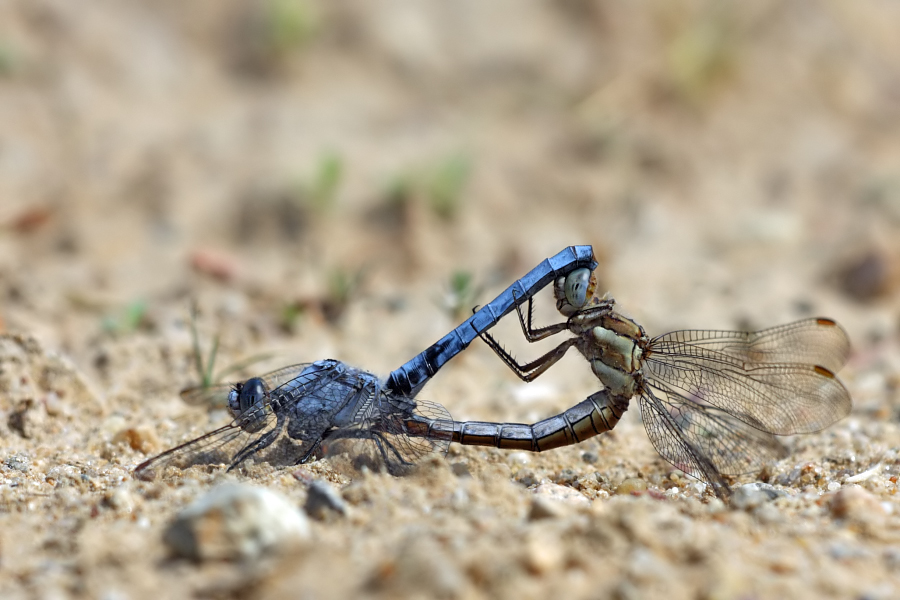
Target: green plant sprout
x,y
461,295
445,186
289,24
128,320
704,55
325,181
342,284
205,392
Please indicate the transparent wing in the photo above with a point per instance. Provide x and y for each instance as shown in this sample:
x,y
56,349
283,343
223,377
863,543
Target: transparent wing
x,y
819,341
253,431
217,395
703,440
410,428
743,373
307,405
219,446
400,432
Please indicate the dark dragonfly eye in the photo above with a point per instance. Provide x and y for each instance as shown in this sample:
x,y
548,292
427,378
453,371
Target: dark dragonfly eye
x,y
251,393
246,396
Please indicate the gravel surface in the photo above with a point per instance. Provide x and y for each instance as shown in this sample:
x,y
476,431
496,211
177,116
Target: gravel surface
x,y
346,179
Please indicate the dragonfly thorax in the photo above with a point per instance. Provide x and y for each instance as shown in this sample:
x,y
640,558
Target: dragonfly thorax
x,y
614,346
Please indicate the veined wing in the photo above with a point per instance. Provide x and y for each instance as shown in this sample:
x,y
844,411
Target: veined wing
x,y
819,341
704,441
217,395
259,426
408,425
399,433
216,447
781,398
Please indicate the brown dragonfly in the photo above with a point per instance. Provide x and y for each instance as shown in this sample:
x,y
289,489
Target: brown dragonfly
x,y
711,402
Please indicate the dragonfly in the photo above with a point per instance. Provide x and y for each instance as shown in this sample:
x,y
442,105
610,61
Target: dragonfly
x,y
711,402
289,415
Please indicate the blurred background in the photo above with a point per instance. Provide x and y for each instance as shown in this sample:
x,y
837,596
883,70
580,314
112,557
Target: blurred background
x,y
294,161
348,178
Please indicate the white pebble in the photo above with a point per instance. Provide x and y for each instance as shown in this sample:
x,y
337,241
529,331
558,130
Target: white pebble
x,y
235,521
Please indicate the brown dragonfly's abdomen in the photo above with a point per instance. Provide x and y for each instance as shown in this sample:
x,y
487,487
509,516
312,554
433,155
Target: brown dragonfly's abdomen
x,y
599,413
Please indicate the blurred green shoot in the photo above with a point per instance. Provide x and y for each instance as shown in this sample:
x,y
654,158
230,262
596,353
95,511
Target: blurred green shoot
x,y
204,373
9,59
461,295
128,320
342,284
399,190
703,55
290,24
290,316
326,180
319,190
205,368
445,185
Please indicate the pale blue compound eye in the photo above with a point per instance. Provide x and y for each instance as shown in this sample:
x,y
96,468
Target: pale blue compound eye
x,y
576,288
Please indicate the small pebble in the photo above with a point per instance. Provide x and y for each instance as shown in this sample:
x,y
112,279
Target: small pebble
x,y
590,457
751,495
632,485
544,508
521,458
235,521
323,500
867,277
561,493
215,263
18,462
543,555
552,500
120,500
460,469
768,514
421,565
140,439
856,504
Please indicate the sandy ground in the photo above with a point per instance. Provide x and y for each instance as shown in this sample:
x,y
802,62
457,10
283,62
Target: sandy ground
x,y
315,174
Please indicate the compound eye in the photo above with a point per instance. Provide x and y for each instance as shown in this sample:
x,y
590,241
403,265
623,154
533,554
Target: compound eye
x,y
577,287
234,403
251,393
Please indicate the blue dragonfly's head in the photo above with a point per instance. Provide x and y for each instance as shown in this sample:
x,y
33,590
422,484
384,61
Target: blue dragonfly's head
x,y
247,403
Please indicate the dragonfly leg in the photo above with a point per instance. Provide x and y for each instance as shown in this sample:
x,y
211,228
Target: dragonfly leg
x,y
380,441
258,444
530,371
312,450
532,334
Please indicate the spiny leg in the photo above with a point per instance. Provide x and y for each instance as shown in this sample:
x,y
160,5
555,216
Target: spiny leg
x,y
536,335
262,442
530,371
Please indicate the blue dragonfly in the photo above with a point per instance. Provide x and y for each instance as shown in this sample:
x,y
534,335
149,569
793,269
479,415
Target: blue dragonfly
x,y
287,415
